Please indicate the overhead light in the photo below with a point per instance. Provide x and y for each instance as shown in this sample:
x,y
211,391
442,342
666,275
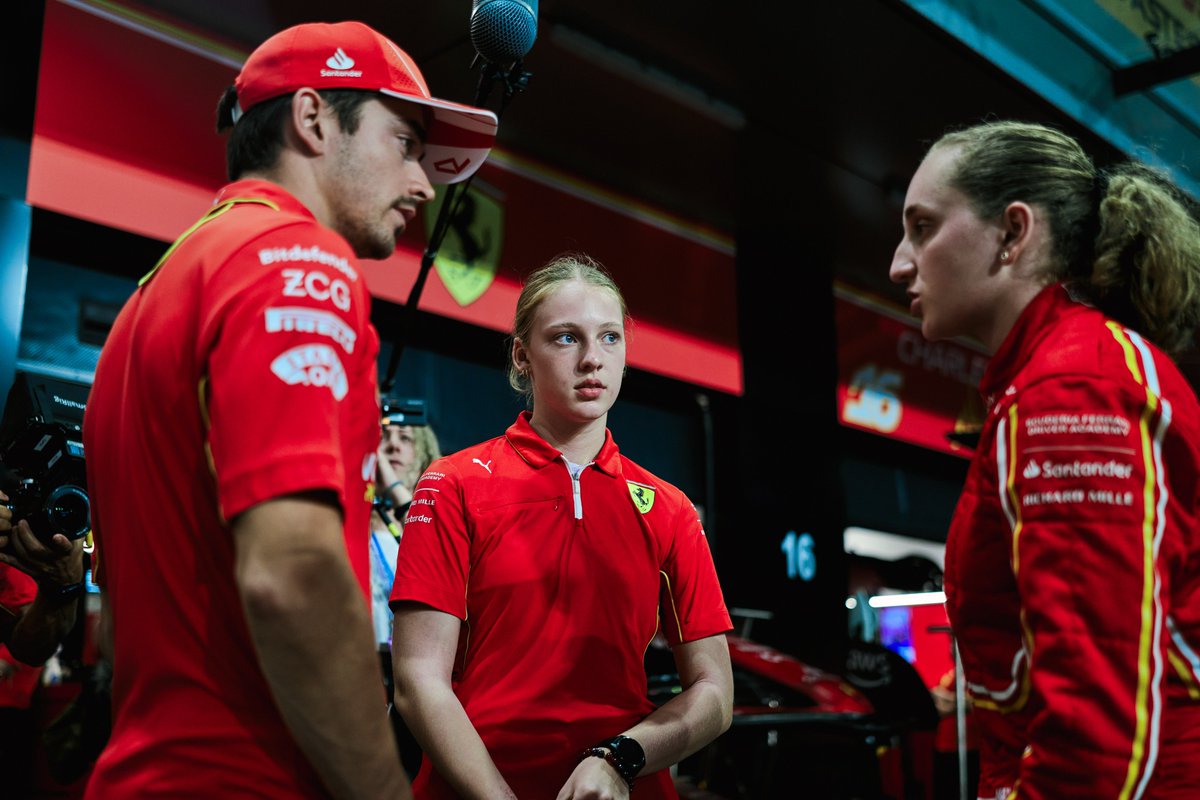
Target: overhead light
x,y
890,546
893,600
647,76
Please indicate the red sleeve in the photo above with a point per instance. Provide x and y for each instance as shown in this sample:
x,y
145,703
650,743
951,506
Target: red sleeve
x,y
692,605
285,325
434,560
99,575
17,589
1086,498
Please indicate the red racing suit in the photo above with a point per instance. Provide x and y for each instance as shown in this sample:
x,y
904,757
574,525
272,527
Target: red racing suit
x,y
1073,564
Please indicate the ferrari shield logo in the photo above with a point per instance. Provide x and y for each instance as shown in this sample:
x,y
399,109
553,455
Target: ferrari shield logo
x,y
643,496
470,253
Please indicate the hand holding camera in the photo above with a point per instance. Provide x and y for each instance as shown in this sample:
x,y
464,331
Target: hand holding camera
x,y
43,480
54,562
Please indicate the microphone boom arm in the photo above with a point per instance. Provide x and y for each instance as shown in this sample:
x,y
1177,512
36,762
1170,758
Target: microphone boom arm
x,y
514,79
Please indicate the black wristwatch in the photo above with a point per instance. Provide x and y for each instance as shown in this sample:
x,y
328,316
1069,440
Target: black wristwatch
x,y
625,755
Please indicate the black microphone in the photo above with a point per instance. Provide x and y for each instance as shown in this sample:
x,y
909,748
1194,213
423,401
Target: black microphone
x,y
503,31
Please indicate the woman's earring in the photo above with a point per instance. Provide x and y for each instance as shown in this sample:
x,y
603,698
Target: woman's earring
x,y
1003,256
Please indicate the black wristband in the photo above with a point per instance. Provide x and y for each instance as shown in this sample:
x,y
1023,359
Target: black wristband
x,y
623,753
611,758
58,596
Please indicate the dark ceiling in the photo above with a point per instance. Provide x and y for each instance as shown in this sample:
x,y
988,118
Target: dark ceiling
x,y
808,116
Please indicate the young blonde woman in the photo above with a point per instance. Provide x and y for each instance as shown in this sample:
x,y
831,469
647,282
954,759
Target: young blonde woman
x,y
1073,560
405,451
535,570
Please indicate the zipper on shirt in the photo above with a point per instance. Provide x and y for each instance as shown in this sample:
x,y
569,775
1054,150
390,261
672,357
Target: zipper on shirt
x,y
578,496
575,489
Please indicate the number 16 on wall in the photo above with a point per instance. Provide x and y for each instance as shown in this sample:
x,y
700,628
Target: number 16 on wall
x,y
801,560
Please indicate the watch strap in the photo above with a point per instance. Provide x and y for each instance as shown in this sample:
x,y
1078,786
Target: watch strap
x,y
624,753
58,596
610,756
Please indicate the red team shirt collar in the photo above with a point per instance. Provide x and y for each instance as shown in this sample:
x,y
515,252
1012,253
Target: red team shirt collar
x,y
263,190
1033,325
537,452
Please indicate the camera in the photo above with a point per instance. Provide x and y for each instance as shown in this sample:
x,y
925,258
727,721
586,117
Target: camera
x,y
41,446
403,411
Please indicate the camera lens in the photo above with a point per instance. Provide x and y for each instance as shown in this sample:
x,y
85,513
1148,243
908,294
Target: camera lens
x,y
68,511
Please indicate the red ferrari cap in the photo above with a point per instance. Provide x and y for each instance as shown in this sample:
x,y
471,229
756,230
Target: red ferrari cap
x,y
351,55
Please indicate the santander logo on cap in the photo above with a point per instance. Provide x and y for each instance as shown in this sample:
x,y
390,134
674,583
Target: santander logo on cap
x,y
340,66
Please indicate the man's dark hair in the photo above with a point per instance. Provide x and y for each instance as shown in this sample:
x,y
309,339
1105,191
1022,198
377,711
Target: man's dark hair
x,y
257,138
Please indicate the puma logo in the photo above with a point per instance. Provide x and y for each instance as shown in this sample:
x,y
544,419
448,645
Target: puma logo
x,y
487,466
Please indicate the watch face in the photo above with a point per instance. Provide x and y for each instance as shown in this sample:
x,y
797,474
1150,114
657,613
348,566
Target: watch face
x,y
629,752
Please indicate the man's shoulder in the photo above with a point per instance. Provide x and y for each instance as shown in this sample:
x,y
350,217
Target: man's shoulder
x,y
277,236
253,220
252,244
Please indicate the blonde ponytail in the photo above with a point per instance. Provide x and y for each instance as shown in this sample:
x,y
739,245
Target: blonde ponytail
x,y
1128,237
1147,256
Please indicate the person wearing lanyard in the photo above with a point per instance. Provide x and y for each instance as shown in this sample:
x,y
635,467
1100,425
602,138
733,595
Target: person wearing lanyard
x,y
407,447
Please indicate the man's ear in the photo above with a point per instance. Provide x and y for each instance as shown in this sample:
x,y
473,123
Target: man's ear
x,y
310,121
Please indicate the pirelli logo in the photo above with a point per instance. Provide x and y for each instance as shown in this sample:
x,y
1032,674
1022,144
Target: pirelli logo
x,y
300,319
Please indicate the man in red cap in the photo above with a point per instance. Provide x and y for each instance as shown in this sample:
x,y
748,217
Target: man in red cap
x,y
232,430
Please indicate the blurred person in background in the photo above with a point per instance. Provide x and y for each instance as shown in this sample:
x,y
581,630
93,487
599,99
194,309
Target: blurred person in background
x,y
407,447
40,587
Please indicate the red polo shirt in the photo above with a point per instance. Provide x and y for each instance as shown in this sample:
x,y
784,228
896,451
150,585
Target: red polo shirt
x,y
17,590
244,370
561,586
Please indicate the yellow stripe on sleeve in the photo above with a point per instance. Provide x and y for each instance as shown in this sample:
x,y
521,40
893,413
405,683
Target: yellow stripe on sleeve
x,y
209,217
1185,675
1010,482
1141,701
674,610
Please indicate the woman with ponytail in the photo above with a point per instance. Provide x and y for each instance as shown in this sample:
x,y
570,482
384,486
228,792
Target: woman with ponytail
x,y
1073,560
